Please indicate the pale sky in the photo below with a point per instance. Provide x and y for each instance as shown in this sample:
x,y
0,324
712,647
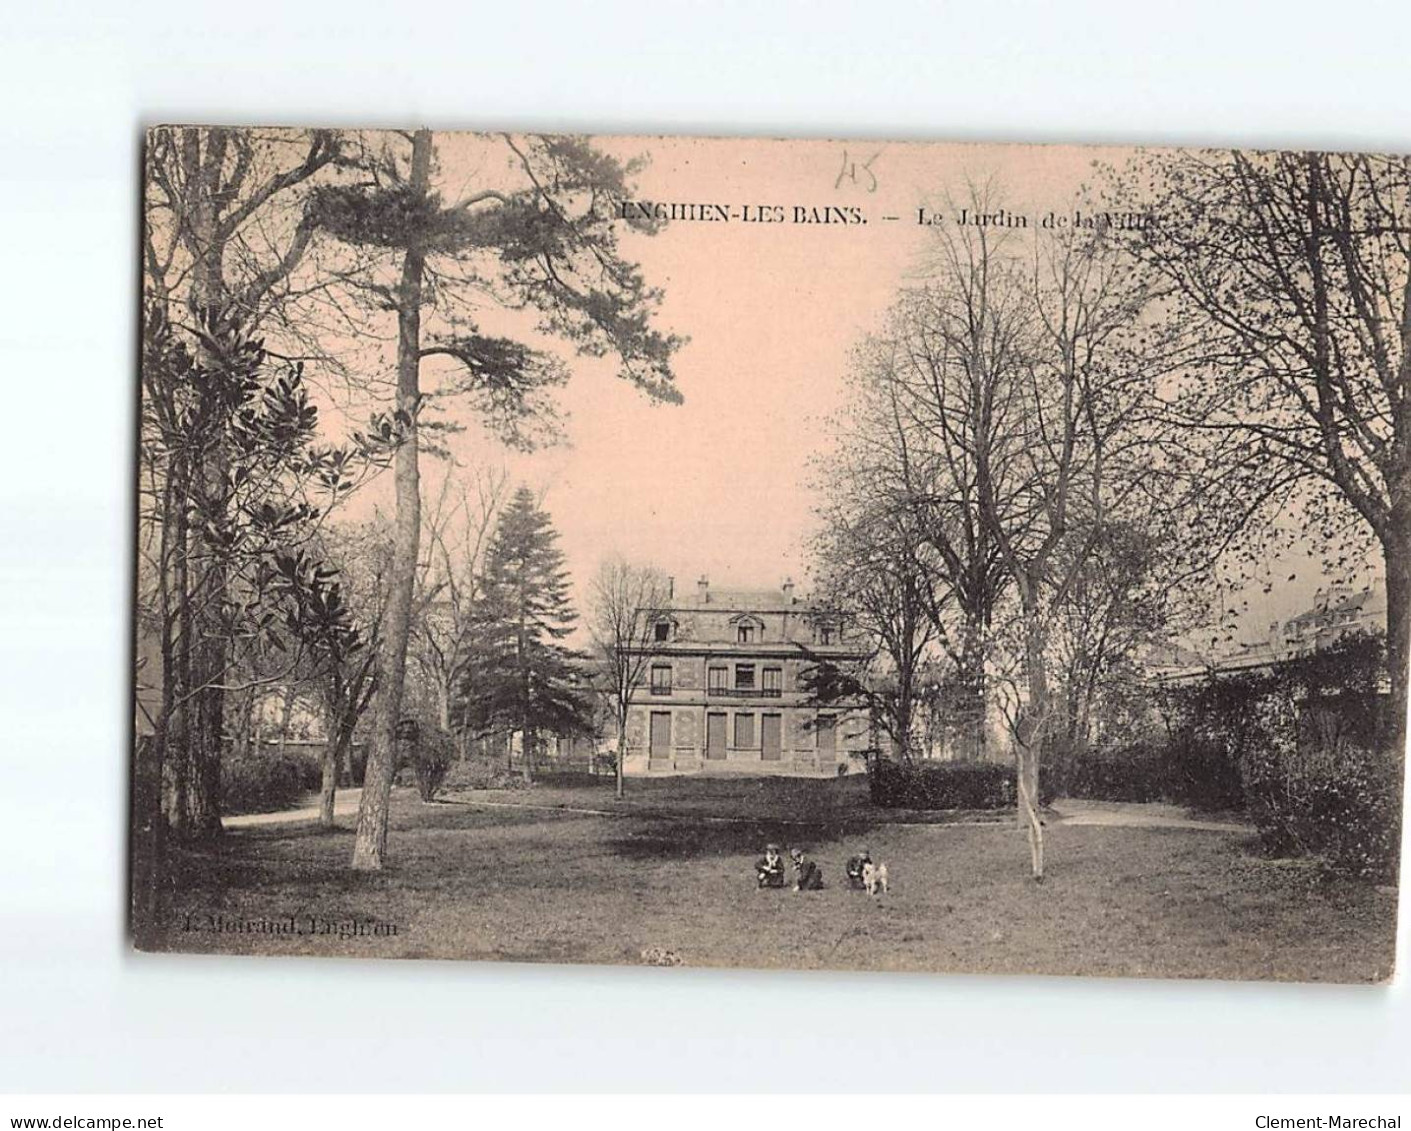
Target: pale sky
x,y
717,485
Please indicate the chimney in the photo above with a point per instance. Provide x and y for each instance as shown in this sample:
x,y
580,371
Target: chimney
x,y
703,589
670,588
788,588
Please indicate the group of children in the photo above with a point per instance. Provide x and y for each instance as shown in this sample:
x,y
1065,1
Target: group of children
x,y
808,876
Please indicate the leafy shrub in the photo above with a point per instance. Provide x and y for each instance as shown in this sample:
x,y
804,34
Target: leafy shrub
x,y
265,781
481,773
945,785
1222,730
1202,772
1139,771
431,760
1193,768
1320,795
357,762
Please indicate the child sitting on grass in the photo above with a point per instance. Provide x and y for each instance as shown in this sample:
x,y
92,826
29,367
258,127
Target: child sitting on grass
x,y
769,870
808,876
855,866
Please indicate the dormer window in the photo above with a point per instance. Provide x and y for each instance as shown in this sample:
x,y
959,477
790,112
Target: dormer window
x,y
748,629
661,631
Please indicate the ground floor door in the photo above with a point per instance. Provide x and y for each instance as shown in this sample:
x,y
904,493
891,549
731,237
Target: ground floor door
x,y
771,731
661,734
715,735
827,735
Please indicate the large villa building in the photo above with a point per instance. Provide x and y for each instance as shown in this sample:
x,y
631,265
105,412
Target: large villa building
x,y
721,688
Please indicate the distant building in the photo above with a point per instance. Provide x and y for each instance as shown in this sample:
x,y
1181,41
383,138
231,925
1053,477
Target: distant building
x,y
721,690
1337,611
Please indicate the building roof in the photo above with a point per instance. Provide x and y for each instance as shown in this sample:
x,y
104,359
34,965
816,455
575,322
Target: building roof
x,y
1369,599
1171,655
703,596
741,600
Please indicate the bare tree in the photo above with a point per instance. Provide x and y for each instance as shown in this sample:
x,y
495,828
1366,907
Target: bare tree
x,y
913,431
871,565
1025,399
1289,278
346,636
1118,604
458,533
624,602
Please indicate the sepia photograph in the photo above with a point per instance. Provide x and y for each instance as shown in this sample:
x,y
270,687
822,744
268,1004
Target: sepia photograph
x,y
763,553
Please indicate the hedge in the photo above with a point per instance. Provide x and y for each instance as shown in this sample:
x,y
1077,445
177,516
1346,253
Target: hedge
x,y
1136,772
1191,769
945,785
267,780
1302,746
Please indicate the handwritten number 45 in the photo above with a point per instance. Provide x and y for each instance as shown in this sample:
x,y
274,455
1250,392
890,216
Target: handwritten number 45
x,y
857,173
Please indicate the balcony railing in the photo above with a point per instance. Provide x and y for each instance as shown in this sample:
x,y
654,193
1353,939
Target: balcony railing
x,y
748,692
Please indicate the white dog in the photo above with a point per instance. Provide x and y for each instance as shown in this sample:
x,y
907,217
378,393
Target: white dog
x,y
874,878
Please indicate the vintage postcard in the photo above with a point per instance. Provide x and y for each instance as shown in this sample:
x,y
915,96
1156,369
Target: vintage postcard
x,y
772,553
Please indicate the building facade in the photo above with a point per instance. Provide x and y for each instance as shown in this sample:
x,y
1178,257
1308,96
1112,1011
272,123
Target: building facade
x,y
1337,611
722,690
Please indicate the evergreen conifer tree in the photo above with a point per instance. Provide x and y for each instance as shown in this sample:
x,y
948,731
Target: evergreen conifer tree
x,y
521,674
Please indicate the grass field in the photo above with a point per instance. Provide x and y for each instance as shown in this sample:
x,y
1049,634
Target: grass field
x,y
520,875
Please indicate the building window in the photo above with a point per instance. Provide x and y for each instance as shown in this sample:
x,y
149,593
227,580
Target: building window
x,y
825,634
773,682
745,634
744,677
661,679
744,731
716,680
661,631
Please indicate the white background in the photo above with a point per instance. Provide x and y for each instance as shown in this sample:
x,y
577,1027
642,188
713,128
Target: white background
x,y
77,1012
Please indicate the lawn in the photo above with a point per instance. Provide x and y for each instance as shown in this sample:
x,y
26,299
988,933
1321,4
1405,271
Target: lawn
x,y
521,876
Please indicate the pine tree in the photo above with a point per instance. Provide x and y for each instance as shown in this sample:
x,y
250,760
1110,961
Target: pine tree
x,y
541,237
521,675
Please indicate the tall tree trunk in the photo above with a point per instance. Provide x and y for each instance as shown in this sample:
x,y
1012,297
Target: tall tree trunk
x,y
336,755
1396,551
1030,733
149,822
901,741
529,731
370,844
286,711
331,758
208,649
203,792
176,683
621,753
245,722
328,789
443,706
972,681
